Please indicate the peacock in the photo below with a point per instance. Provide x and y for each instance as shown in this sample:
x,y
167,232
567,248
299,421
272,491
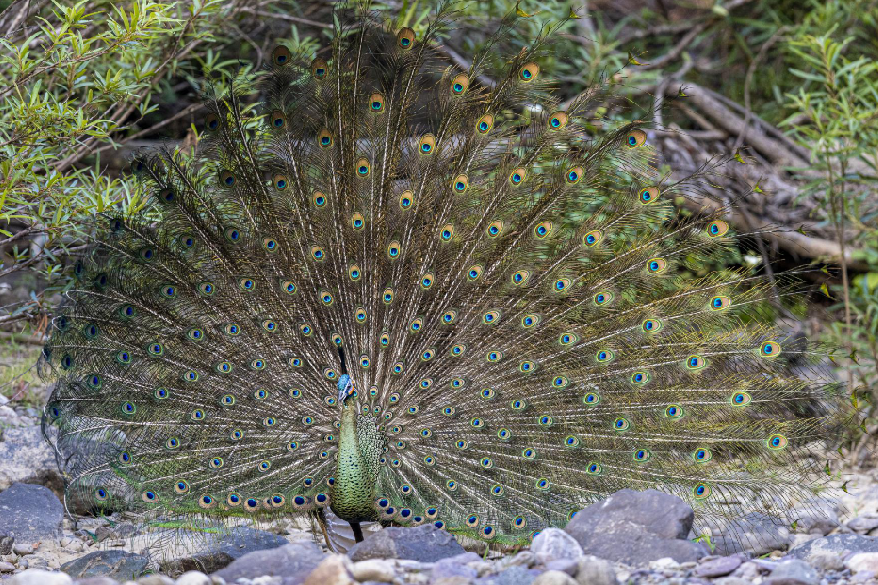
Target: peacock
x,y
412,293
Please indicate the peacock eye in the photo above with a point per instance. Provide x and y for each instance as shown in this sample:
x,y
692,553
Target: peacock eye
x,y
319,68
281,55
376,103
459,84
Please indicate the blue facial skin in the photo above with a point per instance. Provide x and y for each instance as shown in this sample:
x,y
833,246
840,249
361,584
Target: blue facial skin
x,y
345,387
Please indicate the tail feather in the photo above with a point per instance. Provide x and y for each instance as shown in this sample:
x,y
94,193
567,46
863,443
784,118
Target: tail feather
x,y
528,324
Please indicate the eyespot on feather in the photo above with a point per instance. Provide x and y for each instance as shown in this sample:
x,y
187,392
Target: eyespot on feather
x,y
459,84
280,55
405,38
528,72
557,120
376,103
636,138
427,144
485,124
319,68
648,195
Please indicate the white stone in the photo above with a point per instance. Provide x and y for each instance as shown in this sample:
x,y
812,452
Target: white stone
x,y
662,564
6,567
155,580
553,544
554,578
333,570
864,561
193,578
22,549
595,571
373,570
40,577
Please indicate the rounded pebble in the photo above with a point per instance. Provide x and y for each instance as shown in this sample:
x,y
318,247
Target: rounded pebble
x,y
373,570
554,578
40,577
193,578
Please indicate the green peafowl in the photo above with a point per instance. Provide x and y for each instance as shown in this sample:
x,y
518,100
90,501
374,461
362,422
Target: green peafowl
x,y
410,295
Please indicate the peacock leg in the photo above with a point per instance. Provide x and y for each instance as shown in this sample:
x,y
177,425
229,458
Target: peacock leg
x,y
358,532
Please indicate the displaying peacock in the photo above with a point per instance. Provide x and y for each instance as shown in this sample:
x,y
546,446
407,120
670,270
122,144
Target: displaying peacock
x,y
413,296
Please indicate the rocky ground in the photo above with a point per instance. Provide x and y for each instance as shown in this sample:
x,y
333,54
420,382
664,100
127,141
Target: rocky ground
x,y
633,537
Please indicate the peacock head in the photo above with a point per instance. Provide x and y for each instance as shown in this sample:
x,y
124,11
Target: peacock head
x,y
345,388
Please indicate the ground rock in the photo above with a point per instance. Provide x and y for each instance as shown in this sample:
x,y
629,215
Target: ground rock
x,y
98,581
555,544
554,578
40,577
27,458
754,532
636,527
192,578
595,571
333,570
30,513
793,572
6,543
117,564
718,567
218,553
424,543
837,544
373,570
863,561
512,576
292,563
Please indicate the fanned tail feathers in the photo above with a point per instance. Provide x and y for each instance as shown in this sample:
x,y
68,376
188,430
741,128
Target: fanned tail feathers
x,y
519,307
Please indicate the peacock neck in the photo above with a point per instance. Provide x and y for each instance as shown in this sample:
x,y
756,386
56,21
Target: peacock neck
x,y
353,493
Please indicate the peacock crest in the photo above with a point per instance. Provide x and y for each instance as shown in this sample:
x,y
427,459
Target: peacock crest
x,y
410,297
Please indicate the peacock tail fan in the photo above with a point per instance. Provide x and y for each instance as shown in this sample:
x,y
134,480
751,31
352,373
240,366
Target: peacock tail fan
x,y
417,298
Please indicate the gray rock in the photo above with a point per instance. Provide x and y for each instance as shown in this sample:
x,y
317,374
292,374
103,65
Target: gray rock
x,y
292,563
754,532
117,564
155,580
636,527
555,544
452,567
6,542
862,561
374,570
838,544
863,524
30,513
826,561
793,572
511,576
40,577
97,581
718,567
816,516
595,571
554,578
192,578
731,581
27,458
225,548
424,543
748,571
334,569
568,566
22,549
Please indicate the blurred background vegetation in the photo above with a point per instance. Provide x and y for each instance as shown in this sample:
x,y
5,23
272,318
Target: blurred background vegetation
x,y
789,86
